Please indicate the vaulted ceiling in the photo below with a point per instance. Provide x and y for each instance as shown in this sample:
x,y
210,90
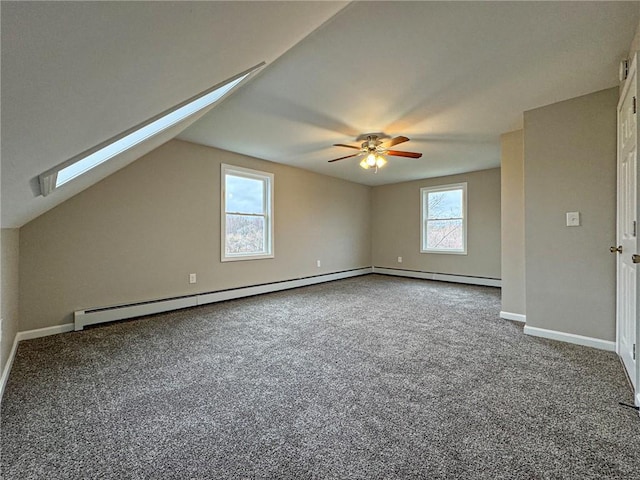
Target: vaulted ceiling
x,y
452,76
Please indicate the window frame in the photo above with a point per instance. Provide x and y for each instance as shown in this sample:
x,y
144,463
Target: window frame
x,y
424,221
268,179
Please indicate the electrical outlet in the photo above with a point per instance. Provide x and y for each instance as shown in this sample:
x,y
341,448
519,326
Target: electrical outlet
x,y
399,259
573,219
192,278
318,263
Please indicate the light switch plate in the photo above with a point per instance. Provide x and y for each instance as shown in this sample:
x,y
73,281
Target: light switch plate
x,y
573,219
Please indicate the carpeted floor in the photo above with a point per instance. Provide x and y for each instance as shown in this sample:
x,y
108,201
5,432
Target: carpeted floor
x,y
366,378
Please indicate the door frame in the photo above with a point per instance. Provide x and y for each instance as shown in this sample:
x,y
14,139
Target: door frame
x,y
633,69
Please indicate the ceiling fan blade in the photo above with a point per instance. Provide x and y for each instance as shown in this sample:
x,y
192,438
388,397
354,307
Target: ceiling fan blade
x,y
344,145
394,141
342,158
397,153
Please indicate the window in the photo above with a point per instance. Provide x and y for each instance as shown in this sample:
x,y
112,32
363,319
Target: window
x,y
247,214
58,176
443,212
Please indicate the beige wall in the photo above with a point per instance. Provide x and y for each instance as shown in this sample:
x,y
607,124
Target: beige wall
x,y
396,227
138,234
512,222
570,165
9,245
633,48
635,43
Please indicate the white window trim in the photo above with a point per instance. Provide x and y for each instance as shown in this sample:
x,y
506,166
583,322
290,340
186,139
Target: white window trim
x,y
268,201
442,188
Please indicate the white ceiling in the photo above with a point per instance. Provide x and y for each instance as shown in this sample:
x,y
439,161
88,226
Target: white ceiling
x,y
452,76
75,74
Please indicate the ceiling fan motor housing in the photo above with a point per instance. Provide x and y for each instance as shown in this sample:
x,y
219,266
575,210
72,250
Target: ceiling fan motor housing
x,y
371,144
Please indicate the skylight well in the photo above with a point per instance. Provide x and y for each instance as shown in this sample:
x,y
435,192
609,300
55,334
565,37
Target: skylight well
x,y
90,159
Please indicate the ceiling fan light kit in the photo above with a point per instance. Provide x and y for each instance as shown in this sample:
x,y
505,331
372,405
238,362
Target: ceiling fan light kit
x,y
375,151
373,160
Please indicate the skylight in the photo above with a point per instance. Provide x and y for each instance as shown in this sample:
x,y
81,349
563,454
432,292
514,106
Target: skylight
x,y
66,172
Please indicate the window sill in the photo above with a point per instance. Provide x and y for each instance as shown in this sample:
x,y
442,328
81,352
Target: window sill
x,y
446,252
239,258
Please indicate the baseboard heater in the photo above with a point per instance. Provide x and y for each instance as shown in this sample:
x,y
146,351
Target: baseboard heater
x,y
83,318
441,277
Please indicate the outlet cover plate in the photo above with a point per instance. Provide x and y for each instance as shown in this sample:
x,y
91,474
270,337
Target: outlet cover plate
x,y
573,219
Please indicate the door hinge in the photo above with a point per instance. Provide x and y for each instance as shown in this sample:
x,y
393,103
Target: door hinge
x,y
634,105
634,351
635,225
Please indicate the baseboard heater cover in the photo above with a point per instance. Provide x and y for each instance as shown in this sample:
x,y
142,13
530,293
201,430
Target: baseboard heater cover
x,y
443,277
83,318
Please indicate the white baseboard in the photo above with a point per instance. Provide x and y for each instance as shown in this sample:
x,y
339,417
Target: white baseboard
x,y
7,367
516,317
571,338
443,277
82,318
28,335
44,332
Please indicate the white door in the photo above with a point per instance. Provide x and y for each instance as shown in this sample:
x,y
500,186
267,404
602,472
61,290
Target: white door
x,y
627,228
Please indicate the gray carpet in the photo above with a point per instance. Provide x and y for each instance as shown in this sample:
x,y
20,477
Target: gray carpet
x,y
370,377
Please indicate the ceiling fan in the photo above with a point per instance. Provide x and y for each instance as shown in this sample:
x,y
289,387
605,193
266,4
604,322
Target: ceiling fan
x,y
373,148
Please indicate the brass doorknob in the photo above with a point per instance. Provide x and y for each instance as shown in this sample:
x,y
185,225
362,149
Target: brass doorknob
x,y
614,249
635,258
